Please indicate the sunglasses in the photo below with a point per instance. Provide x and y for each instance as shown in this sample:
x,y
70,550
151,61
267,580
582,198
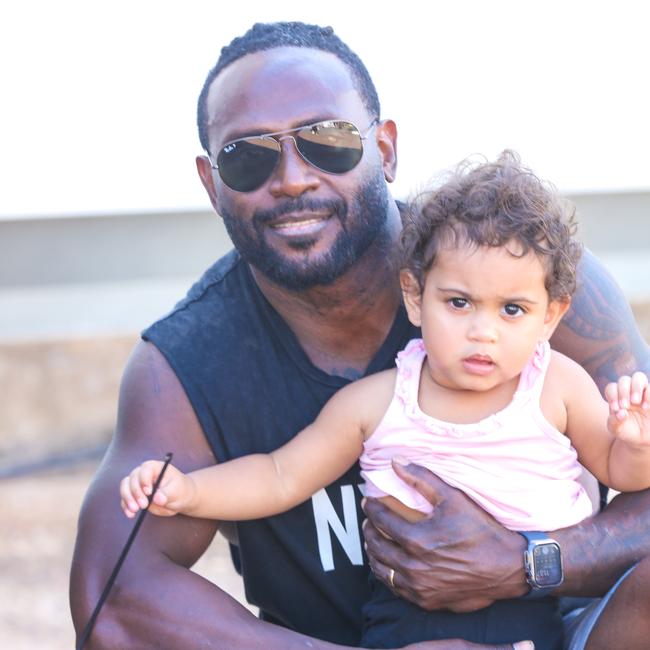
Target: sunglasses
x,y
333,146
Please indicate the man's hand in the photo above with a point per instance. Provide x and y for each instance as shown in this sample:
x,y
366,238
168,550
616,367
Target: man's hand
x,y
458,558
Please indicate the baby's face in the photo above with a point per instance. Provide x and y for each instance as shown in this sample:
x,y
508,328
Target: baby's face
x,y
482,313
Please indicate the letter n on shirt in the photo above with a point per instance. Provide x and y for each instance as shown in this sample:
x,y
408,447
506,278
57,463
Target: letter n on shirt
x,y
327,522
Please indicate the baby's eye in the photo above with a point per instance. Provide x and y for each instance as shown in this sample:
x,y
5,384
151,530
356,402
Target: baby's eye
x,y
458,303
513,310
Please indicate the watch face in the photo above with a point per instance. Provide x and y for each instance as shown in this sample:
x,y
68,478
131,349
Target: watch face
x,y
548,565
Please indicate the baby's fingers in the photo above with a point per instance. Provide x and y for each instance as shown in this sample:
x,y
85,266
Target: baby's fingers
x,y
639,393
141,482
128,501
127,511
617,394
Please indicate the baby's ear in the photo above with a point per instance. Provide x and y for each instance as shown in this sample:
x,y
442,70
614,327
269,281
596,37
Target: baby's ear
x,y
412,294
554,312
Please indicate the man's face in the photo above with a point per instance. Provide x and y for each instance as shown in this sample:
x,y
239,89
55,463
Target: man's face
x,y
303,227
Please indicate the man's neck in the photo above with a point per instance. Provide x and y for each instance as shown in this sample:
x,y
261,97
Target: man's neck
x,y
341,326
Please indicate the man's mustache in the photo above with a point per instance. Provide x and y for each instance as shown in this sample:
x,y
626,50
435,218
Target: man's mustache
x,y
300,204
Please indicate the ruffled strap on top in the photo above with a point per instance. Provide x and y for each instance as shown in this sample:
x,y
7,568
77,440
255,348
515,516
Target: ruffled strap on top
x,y
409,367
531,380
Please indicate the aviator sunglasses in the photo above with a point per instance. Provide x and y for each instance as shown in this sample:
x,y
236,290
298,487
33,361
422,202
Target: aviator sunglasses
x,y
333,146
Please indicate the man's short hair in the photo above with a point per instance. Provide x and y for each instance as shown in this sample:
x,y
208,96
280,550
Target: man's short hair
x,y
266,36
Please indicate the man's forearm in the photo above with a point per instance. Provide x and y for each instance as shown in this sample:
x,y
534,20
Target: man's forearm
x,y
460,558
598,550
164,605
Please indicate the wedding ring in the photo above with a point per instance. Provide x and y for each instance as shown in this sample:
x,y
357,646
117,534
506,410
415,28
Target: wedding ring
x,y
391,578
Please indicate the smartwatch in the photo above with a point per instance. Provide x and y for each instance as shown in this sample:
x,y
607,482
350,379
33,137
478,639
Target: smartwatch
x,y
542,564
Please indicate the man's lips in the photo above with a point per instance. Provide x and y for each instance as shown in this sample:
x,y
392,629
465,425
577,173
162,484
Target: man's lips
x,y
304,223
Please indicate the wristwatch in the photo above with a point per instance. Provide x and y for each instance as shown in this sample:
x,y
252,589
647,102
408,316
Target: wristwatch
x,y
542,564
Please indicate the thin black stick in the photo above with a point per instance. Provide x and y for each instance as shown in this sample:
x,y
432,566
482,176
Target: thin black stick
x,y
118,565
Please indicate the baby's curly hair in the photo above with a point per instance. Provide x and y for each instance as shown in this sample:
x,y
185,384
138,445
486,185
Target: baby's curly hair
x,y
491,204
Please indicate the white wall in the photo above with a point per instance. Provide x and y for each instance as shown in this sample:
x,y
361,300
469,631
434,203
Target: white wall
x,y
98,97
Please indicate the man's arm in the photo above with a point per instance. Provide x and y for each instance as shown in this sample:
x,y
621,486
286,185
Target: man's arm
x,y
156,601
599,331
460,557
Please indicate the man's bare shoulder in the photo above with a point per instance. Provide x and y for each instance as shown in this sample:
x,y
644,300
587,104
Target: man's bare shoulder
x,y
154,410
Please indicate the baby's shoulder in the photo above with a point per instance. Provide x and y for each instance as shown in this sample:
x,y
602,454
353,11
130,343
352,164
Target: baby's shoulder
x,y
370,396
378,384
565,379
563,370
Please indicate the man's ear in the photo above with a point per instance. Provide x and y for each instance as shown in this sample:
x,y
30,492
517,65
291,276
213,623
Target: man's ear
x,y
387,143
204,168
412,296
554,312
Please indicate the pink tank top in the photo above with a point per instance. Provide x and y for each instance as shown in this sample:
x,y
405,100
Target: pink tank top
x,y
514,464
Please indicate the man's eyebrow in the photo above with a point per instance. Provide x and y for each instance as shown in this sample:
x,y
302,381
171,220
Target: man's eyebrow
x,y
231,136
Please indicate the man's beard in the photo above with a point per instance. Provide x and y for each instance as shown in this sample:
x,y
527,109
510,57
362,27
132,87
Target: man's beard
x,y
362,220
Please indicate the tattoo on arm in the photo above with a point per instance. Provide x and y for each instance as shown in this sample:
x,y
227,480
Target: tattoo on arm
x,y
599,331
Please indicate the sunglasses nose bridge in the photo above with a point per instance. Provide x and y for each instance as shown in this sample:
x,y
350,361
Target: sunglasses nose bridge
x,y
283,151
293,173
286,136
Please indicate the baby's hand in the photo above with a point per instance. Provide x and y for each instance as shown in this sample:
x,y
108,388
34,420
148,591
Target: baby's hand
x,y
629,409
173,494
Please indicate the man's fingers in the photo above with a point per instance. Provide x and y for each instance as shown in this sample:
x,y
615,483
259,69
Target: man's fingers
x,y
421,479
385,573
384,523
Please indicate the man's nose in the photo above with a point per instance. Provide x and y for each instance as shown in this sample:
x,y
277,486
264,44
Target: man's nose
x,y
293,175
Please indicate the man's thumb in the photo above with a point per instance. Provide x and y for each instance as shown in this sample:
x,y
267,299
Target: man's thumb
x,y
420,479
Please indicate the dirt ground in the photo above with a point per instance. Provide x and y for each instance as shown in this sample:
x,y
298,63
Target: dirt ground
x,y
37,531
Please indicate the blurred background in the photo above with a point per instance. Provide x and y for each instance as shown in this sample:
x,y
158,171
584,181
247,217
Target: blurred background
x,y
104,223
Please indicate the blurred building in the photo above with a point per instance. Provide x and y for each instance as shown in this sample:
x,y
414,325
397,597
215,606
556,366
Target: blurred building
x,y
76,291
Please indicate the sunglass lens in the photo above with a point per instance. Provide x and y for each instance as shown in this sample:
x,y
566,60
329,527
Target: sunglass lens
x,y
244,165
334,147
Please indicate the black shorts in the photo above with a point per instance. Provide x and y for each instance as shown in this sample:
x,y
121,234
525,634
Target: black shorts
x,y
391,622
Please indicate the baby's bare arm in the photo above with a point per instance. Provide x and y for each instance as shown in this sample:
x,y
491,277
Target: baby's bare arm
x,y
261,485
613,445
629,424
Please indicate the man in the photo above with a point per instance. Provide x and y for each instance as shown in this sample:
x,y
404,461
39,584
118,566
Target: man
x,y
308,302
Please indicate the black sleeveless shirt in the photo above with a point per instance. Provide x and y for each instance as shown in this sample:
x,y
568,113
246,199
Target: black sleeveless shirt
x,y
253,388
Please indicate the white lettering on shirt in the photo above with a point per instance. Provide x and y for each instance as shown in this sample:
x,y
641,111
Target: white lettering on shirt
x,y
327,520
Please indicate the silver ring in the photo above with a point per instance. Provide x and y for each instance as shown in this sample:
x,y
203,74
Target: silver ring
x,y
391,578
